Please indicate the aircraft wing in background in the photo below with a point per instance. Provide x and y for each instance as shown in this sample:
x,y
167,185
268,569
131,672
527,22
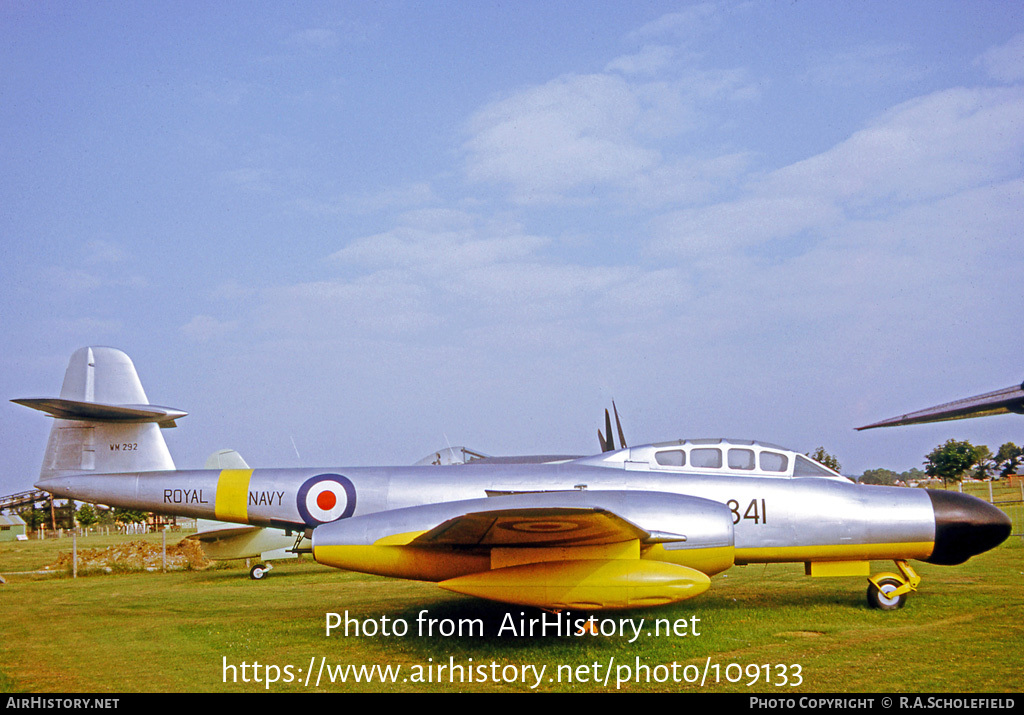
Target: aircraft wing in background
x,y
1010,399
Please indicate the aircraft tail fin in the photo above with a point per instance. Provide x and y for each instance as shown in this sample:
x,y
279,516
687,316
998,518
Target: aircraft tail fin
x,y
104,422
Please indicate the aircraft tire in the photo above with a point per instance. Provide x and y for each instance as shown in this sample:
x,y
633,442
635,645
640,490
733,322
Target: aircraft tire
x,y
878,598
258,572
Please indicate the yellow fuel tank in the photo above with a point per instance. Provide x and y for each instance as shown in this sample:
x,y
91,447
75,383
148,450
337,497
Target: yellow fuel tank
x,y
591,584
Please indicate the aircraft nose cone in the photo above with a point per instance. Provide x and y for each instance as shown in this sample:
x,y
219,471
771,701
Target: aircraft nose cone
x,y
964,527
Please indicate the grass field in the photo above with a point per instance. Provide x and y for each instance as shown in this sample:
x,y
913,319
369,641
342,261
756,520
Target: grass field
x,y
153,632
1001,490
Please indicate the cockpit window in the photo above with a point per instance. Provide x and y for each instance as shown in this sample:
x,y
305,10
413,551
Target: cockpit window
x,y
671,458
774,462
741,459
804,467
707,458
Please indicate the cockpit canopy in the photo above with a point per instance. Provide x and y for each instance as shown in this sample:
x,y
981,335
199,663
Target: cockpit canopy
x,y
720,456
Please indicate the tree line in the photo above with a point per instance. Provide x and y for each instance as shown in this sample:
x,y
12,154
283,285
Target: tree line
x,y
954,461
86,515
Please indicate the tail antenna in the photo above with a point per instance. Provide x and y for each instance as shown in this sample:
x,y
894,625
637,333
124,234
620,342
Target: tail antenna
x,y
608,445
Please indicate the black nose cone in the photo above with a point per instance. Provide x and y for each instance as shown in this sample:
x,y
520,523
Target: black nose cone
x,y
964,527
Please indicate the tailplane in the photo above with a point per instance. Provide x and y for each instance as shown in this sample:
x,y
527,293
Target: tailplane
x,y
104,423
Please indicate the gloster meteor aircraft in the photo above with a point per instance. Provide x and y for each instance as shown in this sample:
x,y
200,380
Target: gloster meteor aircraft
x,y
629,527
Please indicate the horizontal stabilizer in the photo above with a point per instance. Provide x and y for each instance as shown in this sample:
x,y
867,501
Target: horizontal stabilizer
x,y
99,412
104,422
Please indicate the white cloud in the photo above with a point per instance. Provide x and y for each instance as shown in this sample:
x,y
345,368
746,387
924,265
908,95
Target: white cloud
x,y
928,146
573,131
870,65
708,234
648,61
435,252
923,149
1005,62
582,134
684,25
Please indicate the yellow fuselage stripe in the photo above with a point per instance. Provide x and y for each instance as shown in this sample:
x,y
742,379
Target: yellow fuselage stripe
x,y
835,552
232,495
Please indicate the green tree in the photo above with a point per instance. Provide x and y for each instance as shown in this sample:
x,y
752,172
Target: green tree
x,y
885,477
984,464
35,518
87,515
129,516
912,474
106,517
1008,458
950,461
822,457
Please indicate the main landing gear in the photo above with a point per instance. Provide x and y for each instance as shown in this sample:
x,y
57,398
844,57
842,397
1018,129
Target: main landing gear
x,y
889,591
259,571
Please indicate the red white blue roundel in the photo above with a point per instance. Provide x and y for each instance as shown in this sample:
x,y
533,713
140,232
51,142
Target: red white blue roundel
x,y
324,498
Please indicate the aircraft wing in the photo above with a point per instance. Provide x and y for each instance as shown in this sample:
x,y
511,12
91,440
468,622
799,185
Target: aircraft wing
x,y
212,531
221,541
549,549
1010,399
533,527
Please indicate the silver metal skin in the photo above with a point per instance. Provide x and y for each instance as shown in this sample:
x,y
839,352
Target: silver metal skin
x,y
703,504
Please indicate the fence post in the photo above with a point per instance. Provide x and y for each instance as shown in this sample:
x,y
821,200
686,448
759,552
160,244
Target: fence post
x,y
74,555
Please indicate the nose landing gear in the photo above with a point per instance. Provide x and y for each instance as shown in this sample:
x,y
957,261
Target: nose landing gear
x,y
889,591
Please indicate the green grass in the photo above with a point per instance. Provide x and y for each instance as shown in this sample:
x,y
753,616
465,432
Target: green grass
x,y
34,555
152,632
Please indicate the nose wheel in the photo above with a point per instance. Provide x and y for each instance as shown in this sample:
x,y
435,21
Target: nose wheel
x,y
889,591
884,597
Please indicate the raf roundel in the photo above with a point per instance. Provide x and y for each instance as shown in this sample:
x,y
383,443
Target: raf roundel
x,y
326,497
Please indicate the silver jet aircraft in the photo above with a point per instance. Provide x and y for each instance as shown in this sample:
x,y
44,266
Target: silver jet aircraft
x,y
630,527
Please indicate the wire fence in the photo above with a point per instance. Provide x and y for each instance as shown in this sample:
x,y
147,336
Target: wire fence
x,y
107,530
1014,510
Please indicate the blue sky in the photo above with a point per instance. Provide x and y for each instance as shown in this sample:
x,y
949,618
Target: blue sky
x,y
371,229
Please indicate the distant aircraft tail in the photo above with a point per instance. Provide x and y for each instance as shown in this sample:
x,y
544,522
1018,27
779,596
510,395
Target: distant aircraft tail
x,y
104,422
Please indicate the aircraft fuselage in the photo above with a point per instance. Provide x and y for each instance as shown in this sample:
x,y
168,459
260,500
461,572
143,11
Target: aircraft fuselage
x,y
773,519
